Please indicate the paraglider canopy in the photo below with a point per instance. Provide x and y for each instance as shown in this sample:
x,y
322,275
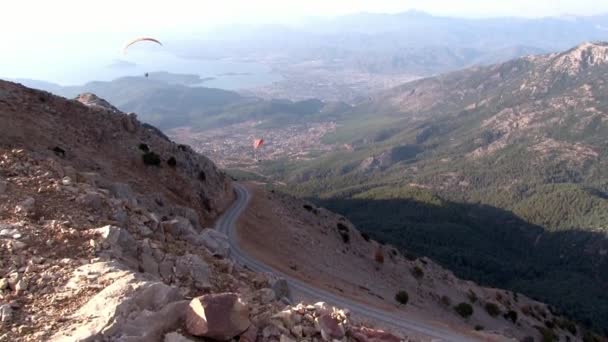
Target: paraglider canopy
x,y
142,39
257,143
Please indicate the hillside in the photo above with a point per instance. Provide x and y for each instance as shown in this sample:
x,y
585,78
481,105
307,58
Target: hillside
x,y
505,166
103,236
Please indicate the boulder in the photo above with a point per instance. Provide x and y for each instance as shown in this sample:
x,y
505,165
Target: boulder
x,y
217,242
219,316
179,227
131,308
193,266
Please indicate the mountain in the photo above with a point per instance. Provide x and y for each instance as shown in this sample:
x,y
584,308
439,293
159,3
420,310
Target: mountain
x,y
497,172
102,237
173,100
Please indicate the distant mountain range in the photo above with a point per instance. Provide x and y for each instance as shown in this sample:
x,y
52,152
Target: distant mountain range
x,y
169,100
411,42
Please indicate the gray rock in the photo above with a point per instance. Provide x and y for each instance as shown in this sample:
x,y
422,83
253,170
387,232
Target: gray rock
x,y
221,316
178,227
281,288
21,285
93,200
166,270
266,295
119,243
149,265
193,266
6,313
217,242
144,230
91,178
176,337
123,191
26,206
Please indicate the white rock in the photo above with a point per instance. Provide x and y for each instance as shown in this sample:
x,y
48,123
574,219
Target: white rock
x,y
3,283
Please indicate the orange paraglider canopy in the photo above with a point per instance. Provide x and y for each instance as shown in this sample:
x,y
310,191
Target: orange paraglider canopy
x,y
142,39
257,143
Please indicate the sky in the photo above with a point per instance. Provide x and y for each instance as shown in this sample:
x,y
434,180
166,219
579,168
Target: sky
x,y
61,16
75,30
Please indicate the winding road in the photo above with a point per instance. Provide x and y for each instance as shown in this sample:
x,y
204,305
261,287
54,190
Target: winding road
x,y
227,225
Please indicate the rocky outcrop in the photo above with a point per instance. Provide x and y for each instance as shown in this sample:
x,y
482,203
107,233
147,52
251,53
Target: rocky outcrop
x,y
132,307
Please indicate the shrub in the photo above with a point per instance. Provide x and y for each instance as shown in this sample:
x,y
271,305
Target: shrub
x,y
172,162
547,335
566,324
549,324
417,272
307,207
341,227
144,147
402,297
394,252
464,309
511,315
590,337
479,327
365,236
446,301
151,158
379,256
59,151
202,176
472,296
410,256
345,236
182,147
492,309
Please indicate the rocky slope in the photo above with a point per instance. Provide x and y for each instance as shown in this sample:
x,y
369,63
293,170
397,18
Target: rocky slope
x,y
102,237
336,256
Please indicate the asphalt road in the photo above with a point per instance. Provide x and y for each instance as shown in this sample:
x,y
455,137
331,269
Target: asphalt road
x,y
226,224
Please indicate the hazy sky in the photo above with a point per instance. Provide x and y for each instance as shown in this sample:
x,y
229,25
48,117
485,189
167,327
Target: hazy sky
x,y
41,38
144,15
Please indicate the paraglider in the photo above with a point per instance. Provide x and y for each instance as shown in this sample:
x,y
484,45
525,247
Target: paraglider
x,y
257,143
142,39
